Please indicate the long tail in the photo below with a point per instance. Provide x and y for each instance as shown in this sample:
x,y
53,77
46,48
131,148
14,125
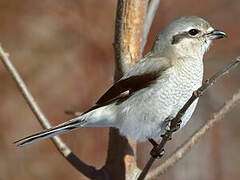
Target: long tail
x,y
59,129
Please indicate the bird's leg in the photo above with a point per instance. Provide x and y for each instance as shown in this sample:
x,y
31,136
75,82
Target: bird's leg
x,y
172,126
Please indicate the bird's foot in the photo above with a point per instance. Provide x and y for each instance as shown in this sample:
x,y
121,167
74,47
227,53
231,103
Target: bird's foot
x,y
172,128
177,126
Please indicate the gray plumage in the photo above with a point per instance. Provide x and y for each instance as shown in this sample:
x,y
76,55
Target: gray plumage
x,y
151,93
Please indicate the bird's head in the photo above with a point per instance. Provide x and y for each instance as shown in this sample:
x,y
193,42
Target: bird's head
x,y
186,36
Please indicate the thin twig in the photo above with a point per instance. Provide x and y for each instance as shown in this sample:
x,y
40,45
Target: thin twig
x,y
175,122
151,11
187,145
66,152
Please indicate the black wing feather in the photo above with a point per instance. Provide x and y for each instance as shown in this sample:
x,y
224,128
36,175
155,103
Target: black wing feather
x,y
131,84
142,75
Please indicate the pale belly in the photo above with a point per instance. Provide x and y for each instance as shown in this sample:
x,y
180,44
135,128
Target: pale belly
x,y
145,114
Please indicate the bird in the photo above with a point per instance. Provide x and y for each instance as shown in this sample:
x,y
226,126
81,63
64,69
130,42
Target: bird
x,y
152,91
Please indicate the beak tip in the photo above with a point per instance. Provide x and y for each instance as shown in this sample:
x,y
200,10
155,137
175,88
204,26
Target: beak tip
x,y
217,34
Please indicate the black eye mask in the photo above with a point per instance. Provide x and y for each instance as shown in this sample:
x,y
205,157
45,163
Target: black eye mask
x,y
177,38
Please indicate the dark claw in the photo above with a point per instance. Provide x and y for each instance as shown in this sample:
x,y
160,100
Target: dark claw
x,y
178,125
169,137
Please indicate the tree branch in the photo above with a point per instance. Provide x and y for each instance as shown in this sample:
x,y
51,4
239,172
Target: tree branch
x,y
132,25
66,152
120,66
187,145
129,28
151,11
133,30
157,150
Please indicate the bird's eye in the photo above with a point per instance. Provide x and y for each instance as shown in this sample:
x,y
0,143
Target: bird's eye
x,y
193,32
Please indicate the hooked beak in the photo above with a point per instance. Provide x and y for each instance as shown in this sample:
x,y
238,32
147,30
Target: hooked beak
x,y
216,34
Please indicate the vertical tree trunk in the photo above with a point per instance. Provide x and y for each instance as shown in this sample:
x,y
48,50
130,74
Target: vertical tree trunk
x,y
129,29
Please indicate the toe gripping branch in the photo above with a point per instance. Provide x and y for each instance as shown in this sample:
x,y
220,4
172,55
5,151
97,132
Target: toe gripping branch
x,y
158,149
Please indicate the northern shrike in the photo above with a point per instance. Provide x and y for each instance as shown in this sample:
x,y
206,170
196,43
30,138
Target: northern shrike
x,y
151,93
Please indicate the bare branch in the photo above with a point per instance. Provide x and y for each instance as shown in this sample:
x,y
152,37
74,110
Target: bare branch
x,y
121,162
187,145
66,152
157,150
133,30
120,66
129,29
132,25
151,11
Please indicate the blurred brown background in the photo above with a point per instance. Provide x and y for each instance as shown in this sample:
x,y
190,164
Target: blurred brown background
x,y
63,50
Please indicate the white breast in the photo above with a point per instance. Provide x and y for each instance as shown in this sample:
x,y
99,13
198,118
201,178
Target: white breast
x,y
143,115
